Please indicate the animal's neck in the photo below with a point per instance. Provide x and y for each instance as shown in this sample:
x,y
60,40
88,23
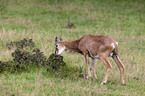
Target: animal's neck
x,y
72,45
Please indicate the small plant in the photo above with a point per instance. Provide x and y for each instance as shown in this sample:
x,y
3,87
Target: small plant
x,y
70,25
56,61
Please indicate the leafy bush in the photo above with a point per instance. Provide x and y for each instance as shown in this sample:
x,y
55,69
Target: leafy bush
x,y
21,44
23,58
38,57
56,61
28,57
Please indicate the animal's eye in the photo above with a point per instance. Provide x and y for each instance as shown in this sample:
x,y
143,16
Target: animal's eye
x,y
56,46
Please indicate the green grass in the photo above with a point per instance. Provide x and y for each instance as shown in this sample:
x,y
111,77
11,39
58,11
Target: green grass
x,y
42,20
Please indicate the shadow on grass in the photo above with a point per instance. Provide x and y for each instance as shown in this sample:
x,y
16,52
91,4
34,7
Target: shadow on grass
x,y
65,72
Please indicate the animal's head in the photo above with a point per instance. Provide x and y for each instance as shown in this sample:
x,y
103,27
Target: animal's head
x,y
59,46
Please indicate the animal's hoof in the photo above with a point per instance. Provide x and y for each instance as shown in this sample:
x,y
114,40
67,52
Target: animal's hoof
x,y
124,84
84,76
103,83
96,78
87,77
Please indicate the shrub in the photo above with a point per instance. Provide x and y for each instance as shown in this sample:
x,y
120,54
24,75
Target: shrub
x,y
21,44
34,57
56,61
23,58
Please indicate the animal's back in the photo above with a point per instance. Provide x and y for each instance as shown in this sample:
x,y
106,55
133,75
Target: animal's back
x,y
95,43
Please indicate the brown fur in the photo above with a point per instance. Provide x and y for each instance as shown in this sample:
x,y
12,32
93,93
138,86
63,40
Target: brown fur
x,y
97,44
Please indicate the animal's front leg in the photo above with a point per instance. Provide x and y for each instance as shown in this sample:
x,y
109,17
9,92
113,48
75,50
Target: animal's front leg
x,y
88,66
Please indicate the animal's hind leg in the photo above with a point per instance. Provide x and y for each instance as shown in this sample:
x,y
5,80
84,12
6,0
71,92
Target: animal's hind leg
x,y
121,67
93,67
109,67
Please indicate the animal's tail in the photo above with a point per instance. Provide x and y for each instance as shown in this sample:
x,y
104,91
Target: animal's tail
x,y
116,48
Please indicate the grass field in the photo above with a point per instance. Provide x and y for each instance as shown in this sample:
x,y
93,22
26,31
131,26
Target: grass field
x,y
42,20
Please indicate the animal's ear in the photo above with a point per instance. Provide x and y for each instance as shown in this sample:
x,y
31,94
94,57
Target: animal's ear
x,y
56,39
60,39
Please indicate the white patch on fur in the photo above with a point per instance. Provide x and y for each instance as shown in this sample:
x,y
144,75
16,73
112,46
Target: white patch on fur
x,y
116,43
111,54
97,57
113,45
61,51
